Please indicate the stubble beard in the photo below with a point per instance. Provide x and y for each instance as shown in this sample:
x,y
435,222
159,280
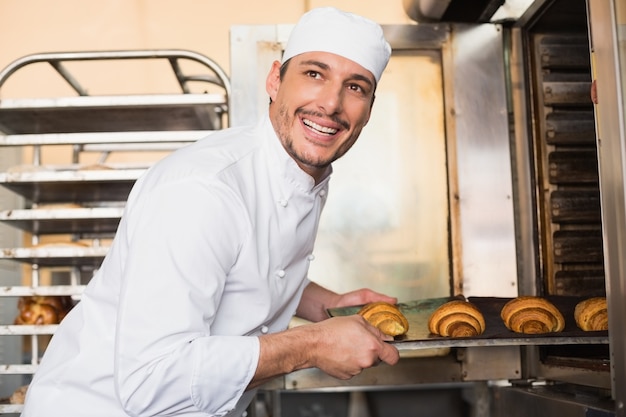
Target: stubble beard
x,y
284,124
285,121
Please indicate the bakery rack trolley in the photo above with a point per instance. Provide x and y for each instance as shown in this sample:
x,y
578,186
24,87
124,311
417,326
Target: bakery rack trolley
x,y
80,201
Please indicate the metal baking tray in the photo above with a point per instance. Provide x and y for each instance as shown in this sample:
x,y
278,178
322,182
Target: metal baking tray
x,y
57,255
92,220
109,141
71,183
153,112
496,333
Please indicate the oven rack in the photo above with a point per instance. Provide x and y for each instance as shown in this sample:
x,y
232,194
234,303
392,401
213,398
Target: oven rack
x,y
71,209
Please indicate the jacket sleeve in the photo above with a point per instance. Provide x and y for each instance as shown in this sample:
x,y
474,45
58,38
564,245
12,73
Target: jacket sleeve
x,y
182,238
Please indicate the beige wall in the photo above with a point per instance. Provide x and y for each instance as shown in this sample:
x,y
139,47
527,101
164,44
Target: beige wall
x,y
34,26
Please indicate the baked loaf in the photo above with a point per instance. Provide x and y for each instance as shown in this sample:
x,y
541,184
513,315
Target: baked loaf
x,y
532,315
387,317
18,395
591,314
457,318
43,309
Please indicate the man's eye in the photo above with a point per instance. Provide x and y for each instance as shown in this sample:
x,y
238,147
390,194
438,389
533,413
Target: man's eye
x,y
313,74
356,87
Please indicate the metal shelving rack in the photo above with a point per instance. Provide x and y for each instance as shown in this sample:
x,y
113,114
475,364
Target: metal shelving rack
x,y
83,203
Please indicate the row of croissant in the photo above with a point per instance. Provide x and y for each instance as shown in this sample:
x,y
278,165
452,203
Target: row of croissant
x,y
461,318
456,318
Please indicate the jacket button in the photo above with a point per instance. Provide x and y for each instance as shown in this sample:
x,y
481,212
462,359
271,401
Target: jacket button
x,y
265,329
281,273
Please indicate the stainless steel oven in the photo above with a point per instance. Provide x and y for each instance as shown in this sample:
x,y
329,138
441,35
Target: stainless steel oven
x,y
494,178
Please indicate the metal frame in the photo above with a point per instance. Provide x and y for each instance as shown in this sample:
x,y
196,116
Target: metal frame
x,y
608,63
150,122
67,117
173,56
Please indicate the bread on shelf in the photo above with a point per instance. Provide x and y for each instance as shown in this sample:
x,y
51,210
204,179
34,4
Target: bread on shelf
x,y
42,309
18,395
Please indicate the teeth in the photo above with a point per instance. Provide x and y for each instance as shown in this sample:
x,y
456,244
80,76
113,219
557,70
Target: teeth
x,y
312,125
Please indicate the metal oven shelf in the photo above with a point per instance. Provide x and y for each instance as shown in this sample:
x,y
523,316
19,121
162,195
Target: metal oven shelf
x,y
71,184
57,255
64,220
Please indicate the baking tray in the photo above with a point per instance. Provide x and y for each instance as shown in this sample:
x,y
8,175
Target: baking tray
x,y
496,334
95,220
57,255
71,183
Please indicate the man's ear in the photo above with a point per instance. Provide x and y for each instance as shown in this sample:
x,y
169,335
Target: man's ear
x,y
273,80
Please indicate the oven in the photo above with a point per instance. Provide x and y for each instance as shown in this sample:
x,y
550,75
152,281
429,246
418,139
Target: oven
x,y
489,181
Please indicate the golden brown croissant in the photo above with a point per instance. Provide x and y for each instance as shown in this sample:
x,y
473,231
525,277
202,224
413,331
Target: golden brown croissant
x,y
591,314
43,309
18,395
457,318
532,315
387,317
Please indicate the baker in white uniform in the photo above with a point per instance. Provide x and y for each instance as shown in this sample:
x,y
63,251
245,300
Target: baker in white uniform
x,y
189,311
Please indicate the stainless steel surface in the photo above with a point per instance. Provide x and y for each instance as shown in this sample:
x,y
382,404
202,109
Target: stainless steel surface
x,y
547,401
408,372
53,256
70,220
508,341
524,190
458,11
607,20
578,375
71,184
104,138
111,113
490,363
19,291
24,330
479,139
217,76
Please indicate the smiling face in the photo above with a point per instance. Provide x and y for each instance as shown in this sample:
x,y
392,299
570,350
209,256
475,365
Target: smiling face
x,y
319,107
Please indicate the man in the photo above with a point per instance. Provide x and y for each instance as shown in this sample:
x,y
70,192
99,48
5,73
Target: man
x,y
189,311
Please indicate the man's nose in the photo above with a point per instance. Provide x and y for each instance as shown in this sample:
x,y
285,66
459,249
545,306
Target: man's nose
x,y
331,99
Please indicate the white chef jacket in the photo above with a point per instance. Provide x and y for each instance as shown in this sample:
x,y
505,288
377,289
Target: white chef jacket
x,y
212,250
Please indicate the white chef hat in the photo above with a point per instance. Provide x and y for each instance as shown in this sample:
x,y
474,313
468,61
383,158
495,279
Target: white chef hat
x,y
327,29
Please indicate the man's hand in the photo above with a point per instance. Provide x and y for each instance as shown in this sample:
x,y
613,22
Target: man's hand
x,y
340,346
349,345
316,299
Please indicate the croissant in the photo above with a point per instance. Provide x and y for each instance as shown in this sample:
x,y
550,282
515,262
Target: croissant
x,y
386,317
532,315
42,309
591,314
457,318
